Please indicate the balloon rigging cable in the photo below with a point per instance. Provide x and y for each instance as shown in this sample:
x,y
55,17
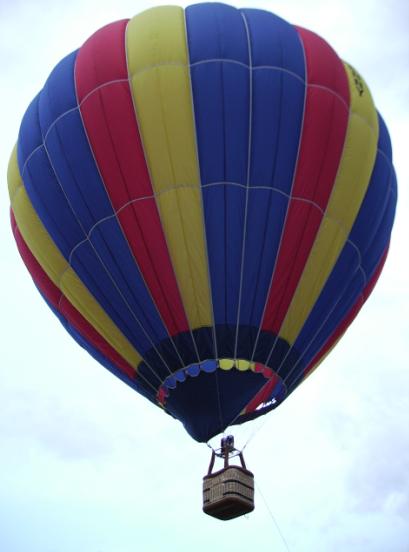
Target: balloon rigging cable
x,y
273,518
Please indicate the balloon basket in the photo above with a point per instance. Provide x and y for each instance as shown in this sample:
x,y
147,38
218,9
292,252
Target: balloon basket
x,y
228,493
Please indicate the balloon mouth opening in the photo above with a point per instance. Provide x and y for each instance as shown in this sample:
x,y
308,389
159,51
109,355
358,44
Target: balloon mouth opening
x,y
271,392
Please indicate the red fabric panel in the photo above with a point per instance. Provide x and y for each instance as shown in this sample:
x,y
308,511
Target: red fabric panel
x,y
63,306
322,140
263,395
109,120
349,317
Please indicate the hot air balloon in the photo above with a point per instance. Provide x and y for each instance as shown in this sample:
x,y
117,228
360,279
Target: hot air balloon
x,y
204,197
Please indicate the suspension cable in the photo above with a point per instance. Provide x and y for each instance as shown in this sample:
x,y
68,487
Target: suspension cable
x,y
285,543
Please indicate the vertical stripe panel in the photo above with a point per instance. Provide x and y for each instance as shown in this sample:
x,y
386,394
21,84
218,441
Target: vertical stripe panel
x,y
343,326
323,136
58,270
66,190
107,111
350,186
159,76
278,90
219,58
91,340
360,256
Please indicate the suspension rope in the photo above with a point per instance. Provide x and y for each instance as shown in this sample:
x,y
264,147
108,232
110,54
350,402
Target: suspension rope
x,y
285,543
255,431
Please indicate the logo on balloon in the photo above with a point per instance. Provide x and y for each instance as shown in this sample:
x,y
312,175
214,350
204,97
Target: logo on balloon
x,y
359,83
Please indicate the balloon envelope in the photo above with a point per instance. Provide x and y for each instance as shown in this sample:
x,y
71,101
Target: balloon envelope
x,y
204,198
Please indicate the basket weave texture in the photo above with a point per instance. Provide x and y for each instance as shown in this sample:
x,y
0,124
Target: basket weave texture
x,y
228,493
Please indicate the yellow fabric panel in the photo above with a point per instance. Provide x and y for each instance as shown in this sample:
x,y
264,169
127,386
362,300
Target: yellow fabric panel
x,y
351,183
226,363
57,268
241,364
160,80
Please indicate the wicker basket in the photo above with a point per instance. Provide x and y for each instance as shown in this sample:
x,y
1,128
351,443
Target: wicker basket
x,y
228,493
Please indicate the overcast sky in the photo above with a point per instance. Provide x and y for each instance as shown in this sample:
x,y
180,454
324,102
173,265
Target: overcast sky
x,y
86,465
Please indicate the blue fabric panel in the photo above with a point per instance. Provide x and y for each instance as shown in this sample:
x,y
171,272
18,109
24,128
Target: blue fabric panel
x,y
359,258
44,191
74,165
384,140
196,401
216,31
221,104
70,198
375,246
266,212
355,288
226,96
28,142
372,256
278,91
